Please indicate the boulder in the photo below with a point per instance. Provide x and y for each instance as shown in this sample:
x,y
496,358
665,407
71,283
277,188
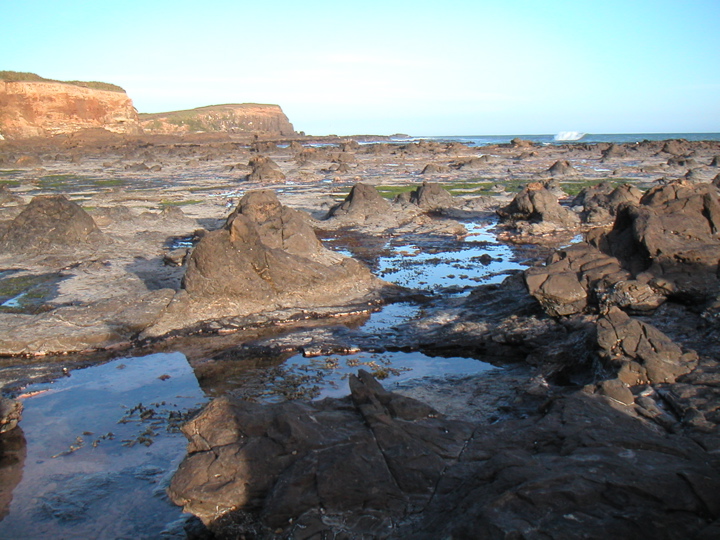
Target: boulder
x,y
535,204
48,222
264,170
432,196
363,203
265,251
562,168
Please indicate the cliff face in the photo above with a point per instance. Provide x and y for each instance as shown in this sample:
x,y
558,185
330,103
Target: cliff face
x,y
234,118
37,109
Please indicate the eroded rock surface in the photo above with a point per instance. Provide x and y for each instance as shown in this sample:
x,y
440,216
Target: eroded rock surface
x,y
49,222
266,257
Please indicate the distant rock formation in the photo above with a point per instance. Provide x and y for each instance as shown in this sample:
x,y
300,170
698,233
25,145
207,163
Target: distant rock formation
x,y
40,108
233,118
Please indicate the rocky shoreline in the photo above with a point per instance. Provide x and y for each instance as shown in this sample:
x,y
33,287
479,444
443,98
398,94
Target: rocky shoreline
x,y
603,420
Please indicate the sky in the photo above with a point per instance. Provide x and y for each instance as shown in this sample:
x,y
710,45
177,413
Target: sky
x,y
383,67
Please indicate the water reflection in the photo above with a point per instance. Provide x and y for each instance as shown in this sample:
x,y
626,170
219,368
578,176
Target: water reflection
x,y
101,445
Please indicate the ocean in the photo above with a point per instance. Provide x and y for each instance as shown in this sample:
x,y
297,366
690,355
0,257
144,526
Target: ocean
x,y
587,138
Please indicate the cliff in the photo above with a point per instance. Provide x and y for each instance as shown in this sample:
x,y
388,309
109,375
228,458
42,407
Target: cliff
x,y
232,118
41,108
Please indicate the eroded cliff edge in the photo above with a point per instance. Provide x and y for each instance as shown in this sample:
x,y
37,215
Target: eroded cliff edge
x,y
230,118
46,108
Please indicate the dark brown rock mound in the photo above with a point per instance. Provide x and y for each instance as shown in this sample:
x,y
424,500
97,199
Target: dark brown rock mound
x,y
266,251
363,203
264,170
432,196
671,240
379,465
536,204
49,221
601,201
562,168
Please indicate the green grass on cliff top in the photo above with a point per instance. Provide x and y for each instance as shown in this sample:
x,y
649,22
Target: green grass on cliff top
x,y
20,76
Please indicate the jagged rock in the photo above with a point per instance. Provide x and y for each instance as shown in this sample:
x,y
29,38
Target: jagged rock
x,y
363,203
264,170
670,240
517,142
639,352
265,250
568,283
715,162
562,168
536,204
49,221
432,196
364,460
601,201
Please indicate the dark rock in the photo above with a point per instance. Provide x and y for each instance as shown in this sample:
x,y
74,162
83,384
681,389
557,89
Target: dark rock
x,y
613,151
536,204
267,255
639,352
264,170
364,202
562,168
363,460
601,201
431,196
49,221
670,240
572,277
583,470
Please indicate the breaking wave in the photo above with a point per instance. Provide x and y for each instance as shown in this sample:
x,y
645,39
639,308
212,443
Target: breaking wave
x,y
569,136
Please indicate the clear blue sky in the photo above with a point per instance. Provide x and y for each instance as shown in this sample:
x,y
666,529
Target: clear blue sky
x,y
448,67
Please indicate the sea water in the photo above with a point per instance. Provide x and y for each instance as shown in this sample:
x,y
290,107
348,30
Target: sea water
x,y
588,138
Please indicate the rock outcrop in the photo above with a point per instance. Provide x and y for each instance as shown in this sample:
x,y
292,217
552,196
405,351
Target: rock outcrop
x,y
47,223
380,465
251,118
537,205
264,170
40,109
266,257
363,203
